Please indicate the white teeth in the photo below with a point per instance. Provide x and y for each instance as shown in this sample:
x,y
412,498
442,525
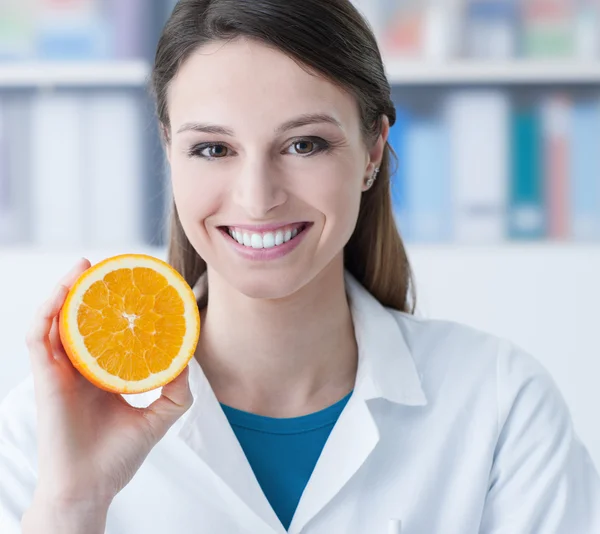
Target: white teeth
x,y
257,241
268,240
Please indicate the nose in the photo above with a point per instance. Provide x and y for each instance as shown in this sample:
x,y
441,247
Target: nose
x,y
258,189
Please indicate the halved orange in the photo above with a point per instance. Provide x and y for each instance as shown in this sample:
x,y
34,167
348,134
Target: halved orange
x,y
130,323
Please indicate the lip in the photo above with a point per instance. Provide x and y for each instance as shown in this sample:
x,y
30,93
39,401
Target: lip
x,y
266,254
259,228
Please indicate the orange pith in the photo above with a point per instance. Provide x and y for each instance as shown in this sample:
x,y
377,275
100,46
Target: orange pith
x,y
129,332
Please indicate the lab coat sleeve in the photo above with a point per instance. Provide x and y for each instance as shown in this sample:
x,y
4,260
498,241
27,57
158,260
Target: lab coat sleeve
x,y
17,445
542,479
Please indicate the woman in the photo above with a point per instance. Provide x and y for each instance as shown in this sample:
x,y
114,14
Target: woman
x,y
316,402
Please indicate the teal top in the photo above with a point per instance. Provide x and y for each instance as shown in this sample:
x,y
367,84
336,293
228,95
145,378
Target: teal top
x,y
283,452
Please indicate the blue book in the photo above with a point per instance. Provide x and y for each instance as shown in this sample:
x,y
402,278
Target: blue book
x,y
526,209
491,28
585,171
428,181
78,30
397,140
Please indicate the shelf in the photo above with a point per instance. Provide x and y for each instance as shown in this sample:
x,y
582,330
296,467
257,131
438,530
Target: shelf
x,y
425,72
508,249
74,74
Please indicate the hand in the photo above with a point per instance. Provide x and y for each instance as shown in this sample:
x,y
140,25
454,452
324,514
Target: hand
x,y
90,442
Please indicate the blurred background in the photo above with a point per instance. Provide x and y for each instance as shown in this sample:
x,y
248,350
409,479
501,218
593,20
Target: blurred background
x,y
496,192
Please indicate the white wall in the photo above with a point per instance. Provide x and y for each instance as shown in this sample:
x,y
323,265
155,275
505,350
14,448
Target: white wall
x,y
543,297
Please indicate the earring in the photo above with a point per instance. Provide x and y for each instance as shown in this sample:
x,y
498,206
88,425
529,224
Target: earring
x,y
372,178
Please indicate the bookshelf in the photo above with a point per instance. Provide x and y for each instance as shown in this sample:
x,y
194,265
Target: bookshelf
x,y
468,72
73,74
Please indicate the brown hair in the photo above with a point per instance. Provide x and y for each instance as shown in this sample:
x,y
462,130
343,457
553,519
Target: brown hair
x,y
329,37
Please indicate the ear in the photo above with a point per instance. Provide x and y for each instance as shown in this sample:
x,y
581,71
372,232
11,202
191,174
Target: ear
x,y
376,151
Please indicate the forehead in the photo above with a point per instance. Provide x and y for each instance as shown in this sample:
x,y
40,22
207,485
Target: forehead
x,y
246,83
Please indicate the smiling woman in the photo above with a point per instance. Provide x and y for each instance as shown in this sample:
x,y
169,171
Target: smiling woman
x,y
321,404
313,97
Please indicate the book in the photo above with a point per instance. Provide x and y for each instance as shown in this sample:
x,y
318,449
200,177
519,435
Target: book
x,y
403,28
58,213
14,168
73,30
428,188
587,30
114,186
555,117
129,24
548,28
478,124
16,29
526,198
6,202
491,29
585,170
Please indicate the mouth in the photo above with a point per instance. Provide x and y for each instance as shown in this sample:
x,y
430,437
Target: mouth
x,y
269,239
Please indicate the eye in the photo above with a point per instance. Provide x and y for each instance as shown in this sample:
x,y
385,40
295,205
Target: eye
x,y
304,147
209,151
309,146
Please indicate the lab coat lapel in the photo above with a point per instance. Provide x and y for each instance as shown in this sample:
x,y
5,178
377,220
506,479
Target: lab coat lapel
x,y
350,443
208,433
386,370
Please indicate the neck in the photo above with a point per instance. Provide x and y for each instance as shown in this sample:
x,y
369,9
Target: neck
x,y
284,357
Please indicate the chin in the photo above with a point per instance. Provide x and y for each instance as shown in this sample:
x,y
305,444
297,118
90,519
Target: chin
x,y
267,285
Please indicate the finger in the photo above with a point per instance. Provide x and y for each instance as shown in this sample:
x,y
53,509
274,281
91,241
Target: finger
x,y
176,398
82,265
37,340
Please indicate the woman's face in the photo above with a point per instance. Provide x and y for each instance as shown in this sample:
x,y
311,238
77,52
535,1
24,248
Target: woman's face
x,y
267,165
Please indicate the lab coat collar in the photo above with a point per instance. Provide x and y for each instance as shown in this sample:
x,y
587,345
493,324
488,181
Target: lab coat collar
x,y
385,370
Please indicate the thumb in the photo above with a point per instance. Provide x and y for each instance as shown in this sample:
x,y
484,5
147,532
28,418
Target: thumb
x,y
176,399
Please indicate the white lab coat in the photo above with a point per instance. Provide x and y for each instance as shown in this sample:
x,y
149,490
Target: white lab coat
x,y
450,430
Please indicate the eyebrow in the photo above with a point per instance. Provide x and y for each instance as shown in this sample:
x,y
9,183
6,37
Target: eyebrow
x,y
297,122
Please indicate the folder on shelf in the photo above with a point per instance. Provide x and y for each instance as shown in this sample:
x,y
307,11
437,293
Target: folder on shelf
x,y
15,163
585,170
129,22
555,116
427,181
74,30
526,205
58,154
478,128
114,193
6,202
491,29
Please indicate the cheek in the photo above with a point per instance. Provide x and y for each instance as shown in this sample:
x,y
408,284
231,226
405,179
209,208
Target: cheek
x,y
195,198
337,195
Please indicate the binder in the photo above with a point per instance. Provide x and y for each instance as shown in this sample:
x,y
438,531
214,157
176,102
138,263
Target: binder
x,y
478,123
527,207
556,114
428,182
114,192
57,211
585,171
